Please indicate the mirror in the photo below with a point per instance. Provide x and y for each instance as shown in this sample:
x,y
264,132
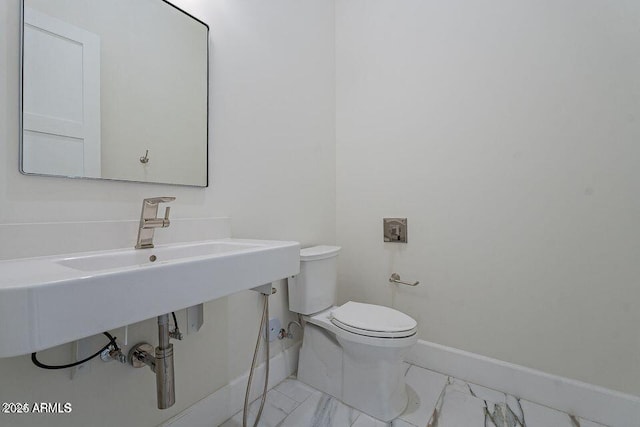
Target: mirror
x,y
114,89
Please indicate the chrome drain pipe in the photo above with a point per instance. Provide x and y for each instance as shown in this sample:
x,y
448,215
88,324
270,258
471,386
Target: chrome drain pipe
x,y
165,383
161,363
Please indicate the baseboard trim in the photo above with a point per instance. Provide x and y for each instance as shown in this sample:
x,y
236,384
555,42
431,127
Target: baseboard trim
x,y
588,401
221,405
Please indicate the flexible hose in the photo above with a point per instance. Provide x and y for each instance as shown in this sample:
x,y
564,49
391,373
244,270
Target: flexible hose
x,y
264,324
112,342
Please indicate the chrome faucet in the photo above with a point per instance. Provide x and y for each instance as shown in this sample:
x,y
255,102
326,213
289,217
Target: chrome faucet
x,y
149,220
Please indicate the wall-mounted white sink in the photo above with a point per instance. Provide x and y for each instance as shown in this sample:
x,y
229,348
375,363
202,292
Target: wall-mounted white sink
x,y
47,301
161,254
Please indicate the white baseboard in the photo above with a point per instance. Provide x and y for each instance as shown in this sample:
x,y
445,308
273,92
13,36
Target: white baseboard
x,y
588,401
221,405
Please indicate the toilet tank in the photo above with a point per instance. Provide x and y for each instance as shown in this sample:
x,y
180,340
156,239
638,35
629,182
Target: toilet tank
x,y
315,288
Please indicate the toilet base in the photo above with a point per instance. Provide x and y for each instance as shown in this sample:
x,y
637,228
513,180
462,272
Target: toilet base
x,y
369,379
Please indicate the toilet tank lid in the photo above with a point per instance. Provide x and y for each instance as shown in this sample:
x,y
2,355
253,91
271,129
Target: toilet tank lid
x,y
318,252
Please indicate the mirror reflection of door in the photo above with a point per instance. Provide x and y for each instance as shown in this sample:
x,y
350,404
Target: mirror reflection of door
x,y
62,101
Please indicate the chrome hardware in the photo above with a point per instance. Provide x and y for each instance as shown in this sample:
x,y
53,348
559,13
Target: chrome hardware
x,y
395,230
161,363
140,356
286,333
149,220
267,289
176,334
111,353
145,159
395,278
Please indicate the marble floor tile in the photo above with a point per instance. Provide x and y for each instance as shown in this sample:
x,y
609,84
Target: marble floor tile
x,y
454,384
276,408
275,400
321,410
462,402
434,401
402,423
540,416
269,418
488,395
295,389
235,421
587,423
515,407
501,410
424,388
365,420
459,409
501,415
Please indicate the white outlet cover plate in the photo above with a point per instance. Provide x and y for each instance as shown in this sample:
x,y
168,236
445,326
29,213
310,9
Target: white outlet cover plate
x,y
274,328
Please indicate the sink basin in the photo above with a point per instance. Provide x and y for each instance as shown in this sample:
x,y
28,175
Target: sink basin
x,y
135,257
47,301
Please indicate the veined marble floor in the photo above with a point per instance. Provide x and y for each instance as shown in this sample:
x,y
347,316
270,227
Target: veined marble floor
x,y
435,400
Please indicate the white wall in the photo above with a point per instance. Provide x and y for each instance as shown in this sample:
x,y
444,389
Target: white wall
x,y
272,169
507,133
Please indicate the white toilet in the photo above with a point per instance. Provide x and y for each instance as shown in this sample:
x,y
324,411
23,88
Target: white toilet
x,y
353,352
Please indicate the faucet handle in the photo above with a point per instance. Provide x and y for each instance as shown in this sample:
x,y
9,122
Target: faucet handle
x,y
157,200
166,222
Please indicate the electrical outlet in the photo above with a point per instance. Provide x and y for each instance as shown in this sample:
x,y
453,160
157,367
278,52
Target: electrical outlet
x,y
274,328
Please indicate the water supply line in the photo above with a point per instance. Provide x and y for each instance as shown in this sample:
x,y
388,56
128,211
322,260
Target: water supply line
x,y
264,326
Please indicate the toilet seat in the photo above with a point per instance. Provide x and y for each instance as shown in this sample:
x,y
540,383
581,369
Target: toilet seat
x,y
324,320
373,320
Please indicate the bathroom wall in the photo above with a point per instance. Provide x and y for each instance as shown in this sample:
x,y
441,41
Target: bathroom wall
x,y
272,170
507,133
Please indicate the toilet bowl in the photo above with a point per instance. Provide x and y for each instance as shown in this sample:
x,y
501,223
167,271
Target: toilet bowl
x,y
355,351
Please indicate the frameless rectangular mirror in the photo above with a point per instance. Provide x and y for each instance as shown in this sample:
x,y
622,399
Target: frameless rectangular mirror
x,y
114,89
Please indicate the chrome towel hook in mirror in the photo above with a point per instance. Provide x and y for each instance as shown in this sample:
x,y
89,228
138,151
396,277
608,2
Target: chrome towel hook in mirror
x,y
395,278
145,159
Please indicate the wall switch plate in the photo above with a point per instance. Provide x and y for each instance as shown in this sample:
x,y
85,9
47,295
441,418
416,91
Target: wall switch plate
x,y
395,230
274,328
